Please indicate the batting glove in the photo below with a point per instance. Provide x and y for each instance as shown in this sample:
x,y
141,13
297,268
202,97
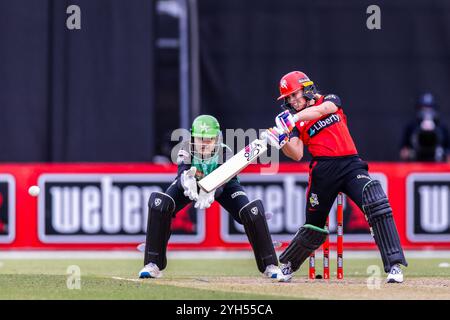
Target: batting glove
x,y
285,122
189,183
275,137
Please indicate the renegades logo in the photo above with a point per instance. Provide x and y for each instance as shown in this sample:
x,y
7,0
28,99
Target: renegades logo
x,y
322,124
252,150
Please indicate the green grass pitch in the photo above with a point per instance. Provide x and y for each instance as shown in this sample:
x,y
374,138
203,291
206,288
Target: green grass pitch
x,y
215,279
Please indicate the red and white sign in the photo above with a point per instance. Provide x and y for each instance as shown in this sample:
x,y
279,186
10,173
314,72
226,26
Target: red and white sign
x,y
104,206
428,207
7,208
284,196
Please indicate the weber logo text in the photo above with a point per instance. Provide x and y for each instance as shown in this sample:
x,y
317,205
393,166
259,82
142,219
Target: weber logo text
x,y
428,207
98,208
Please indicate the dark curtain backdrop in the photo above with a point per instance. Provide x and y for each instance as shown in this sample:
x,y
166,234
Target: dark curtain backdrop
x,y
76,95
247,46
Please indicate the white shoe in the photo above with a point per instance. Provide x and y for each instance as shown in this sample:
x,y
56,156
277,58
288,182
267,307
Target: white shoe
x,y
395,275
287,272
274,272
151,270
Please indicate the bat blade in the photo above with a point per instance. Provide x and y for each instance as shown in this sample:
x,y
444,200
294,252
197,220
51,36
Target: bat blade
x,y
234,165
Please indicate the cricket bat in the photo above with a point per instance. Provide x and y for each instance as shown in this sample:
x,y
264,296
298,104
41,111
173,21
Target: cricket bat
x,y
235,164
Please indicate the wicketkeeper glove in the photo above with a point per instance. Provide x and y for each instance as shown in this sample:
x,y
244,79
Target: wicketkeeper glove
x,y
189,183
204,200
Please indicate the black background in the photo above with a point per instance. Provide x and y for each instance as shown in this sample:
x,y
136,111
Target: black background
x,y
247,46
89,94
76,95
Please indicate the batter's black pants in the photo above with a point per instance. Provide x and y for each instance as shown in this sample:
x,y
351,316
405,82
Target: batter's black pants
x,y
328,177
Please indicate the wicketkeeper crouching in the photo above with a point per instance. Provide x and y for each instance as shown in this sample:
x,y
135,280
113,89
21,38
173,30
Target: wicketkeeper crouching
x,y
196,159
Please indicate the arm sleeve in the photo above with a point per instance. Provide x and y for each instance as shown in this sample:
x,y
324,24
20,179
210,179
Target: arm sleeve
x,y
333,98
181,168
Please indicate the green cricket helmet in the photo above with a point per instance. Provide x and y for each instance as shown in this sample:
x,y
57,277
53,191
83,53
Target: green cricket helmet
x,y
206,137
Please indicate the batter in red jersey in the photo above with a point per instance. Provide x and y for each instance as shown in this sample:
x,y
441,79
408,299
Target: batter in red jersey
x,y
335,167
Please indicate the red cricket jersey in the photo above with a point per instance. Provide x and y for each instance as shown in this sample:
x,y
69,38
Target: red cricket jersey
x,y
328,136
